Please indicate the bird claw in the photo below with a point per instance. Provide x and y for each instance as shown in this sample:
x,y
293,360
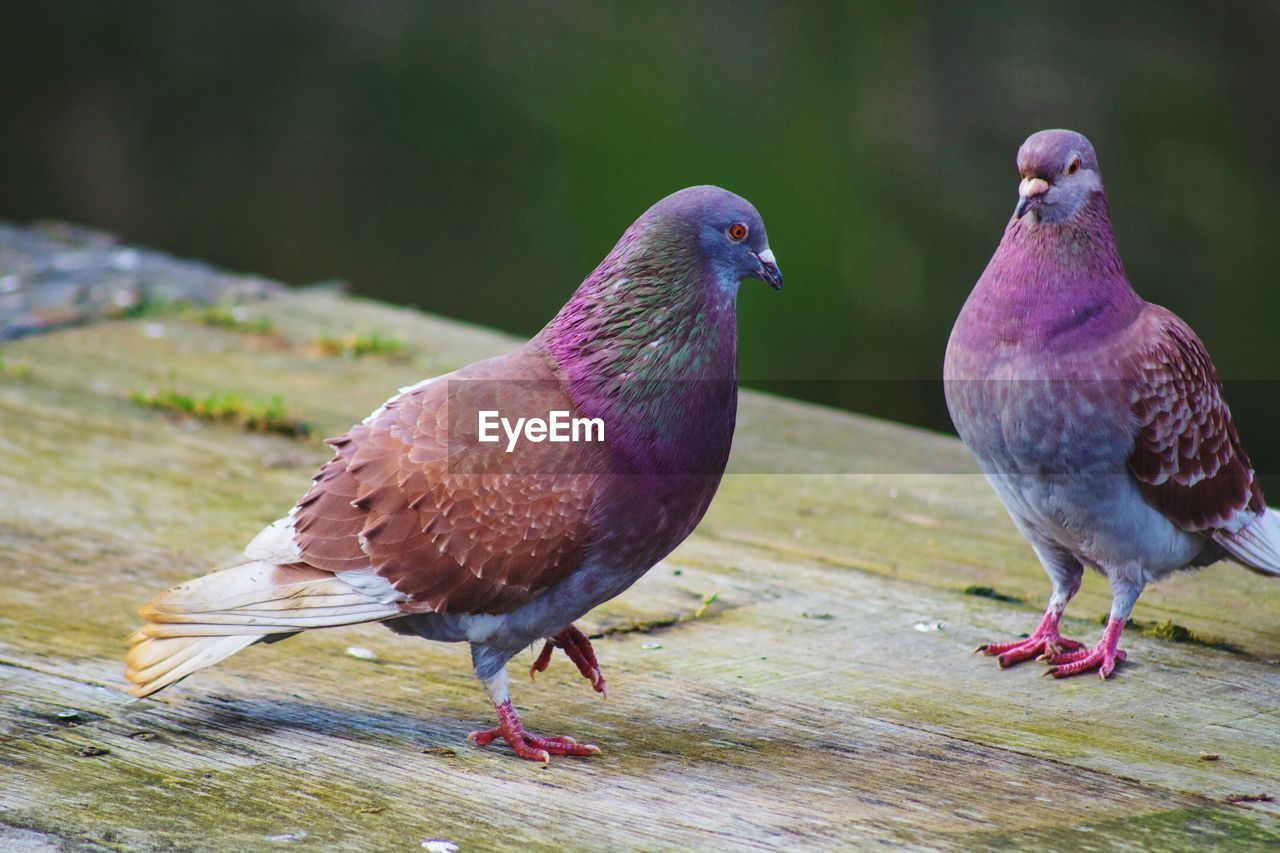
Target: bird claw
x,y
525,744
543,660
1103,657
1040,645
578,649
1084,660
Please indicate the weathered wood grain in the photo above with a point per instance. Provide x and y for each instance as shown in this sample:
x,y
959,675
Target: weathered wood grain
x,y
826,696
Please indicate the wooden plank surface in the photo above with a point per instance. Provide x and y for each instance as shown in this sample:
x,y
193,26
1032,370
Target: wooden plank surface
x,y
824,697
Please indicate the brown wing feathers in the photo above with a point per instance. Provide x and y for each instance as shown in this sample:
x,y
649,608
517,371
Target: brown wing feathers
x,y
396,498
448,540
1187,455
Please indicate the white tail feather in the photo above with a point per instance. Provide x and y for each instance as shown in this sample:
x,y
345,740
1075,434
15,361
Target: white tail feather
x,y
203,621
1256,545
275,543
177,657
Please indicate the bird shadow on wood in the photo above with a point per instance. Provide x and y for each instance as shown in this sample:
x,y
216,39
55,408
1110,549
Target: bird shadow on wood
x,y
658,742
257,717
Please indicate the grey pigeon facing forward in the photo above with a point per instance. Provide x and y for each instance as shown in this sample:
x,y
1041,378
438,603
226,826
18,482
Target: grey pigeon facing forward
x,y
1097,417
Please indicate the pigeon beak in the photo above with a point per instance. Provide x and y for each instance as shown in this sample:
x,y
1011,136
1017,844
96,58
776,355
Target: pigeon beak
x,y
769,271
1030,193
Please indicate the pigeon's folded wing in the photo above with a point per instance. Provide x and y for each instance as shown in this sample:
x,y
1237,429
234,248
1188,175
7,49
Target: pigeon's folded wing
x,y
401,497
1187,456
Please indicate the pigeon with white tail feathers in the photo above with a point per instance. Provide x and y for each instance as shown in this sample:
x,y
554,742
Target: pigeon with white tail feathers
x,y
416,522
1098,417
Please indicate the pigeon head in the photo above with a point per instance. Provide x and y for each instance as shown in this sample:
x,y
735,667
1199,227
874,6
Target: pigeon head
x,y
725,229
662,303
1059,174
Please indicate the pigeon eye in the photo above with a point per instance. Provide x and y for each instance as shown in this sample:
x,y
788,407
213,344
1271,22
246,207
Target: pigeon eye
x,y
737,232
1073,166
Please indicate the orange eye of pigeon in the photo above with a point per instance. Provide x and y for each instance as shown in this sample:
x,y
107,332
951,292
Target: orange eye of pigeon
x,y
1074,166
737,232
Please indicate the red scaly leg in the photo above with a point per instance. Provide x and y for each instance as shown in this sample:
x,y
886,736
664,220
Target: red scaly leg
x,y
525,744
1044,643
1102,657
578,649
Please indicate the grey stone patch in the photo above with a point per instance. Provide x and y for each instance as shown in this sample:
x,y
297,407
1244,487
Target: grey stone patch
x,y
13,838
54,275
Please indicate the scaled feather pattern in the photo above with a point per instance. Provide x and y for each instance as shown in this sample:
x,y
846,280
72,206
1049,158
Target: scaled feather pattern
x,y
416,522
1098,418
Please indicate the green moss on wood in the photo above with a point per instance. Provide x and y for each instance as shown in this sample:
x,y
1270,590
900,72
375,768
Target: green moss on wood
x,y
254,415
1175,633
18,371
232,316
1178,829
153,306
359,344
991,593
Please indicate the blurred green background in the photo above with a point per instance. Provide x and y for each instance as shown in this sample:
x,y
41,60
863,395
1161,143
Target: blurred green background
x,y
478,159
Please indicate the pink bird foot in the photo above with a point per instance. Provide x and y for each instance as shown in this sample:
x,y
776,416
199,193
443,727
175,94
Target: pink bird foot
x,y
1044,643
525,744
1102,657
578,649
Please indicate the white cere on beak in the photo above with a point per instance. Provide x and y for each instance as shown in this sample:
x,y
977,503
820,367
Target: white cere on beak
x,y
1032,187
767,257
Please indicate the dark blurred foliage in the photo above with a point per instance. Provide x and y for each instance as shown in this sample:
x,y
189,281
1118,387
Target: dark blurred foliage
x,y
478,159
